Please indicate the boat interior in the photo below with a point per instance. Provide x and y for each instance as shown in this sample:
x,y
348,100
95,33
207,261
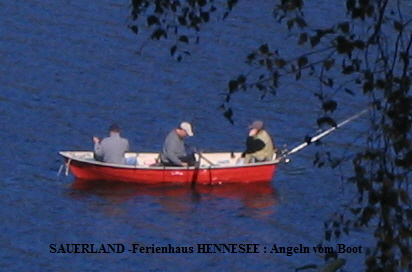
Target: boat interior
x,y
152,159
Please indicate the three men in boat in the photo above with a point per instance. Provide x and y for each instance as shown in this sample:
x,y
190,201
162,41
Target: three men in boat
x,y
259,146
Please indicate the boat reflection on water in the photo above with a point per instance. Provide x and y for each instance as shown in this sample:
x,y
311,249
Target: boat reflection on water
x,y
254,197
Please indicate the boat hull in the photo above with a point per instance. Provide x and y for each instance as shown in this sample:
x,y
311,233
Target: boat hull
x,y
86,170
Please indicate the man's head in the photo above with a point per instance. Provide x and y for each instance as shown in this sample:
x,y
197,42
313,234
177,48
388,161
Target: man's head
x,y
114,128
259,125
185,129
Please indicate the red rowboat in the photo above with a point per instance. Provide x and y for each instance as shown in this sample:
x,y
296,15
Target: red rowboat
x,y
214,168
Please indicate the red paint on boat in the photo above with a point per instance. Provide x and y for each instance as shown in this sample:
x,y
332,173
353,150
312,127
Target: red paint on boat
x,y
92,170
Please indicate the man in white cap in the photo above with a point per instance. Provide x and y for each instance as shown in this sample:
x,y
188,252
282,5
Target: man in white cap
x,y
259,144
174,152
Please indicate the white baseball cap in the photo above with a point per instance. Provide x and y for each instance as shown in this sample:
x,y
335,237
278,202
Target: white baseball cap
x,y
186,126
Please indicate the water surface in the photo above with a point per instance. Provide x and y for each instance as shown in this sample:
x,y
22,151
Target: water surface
x,y
69,69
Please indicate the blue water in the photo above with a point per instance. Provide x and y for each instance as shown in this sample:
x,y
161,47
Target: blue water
x,y
69,69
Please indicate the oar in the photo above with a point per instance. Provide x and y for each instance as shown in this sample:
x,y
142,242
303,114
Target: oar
x,y
323,134
203,157
199,154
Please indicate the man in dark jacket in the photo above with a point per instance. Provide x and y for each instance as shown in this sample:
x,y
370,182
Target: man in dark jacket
x,y
259,144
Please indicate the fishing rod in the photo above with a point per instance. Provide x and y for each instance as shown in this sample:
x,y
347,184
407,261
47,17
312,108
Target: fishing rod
x,y
321,135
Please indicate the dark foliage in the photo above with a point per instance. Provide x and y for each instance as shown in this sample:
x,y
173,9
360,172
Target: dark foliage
x,y
369,53
177,20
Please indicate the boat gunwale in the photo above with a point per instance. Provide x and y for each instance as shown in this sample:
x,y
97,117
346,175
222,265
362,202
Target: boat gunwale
x,y
66,154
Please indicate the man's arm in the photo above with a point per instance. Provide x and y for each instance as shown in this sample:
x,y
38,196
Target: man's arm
x,y
253,145
98,149
127,145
